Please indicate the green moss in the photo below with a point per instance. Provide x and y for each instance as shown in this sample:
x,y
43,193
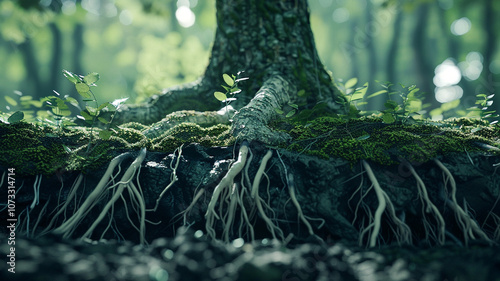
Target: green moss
x,y
217,135
371,139
36,149
134,125
30,149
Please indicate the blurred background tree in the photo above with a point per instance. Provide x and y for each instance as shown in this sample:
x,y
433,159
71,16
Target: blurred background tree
x,y
448,48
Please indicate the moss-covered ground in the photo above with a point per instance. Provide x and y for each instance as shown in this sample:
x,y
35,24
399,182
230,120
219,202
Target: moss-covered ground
x,y
44,149
371,139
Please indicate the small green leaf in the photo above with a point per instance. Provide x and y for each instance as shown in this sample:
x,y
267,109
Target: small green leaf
x,y
67,149
293,105
102,106
234,91
363,137
86,116
83,89
390,104
412,93
290,113
350,83
16,117
301,93
377,93
105,134
388,118
73,78
111,107
229,81
92,110
72,101
279,111
11,101
91,78
103,120
360,93
61,111
220,96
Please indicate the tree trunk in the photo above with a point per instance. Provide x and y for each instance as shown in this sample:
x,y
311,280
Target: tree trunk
x,y
424,68
272,42
55,65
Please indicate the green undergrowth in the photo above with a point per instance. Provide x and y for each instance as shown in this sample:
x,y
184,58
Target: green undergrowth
x,y
371,139
43,149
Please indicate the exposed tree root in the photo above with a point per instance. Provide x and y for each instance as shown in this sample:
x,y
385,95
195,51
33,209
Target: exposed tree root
x,y
233,198
468,225
402,231
250,122
172,99
136,198
173,176
437,234
224,189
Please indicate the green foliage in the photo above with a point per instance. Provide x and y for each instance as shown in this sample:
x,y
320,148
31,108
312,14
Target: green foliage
x,y
484,111
91,114
354,97
16,117
230,87
288,110
410,105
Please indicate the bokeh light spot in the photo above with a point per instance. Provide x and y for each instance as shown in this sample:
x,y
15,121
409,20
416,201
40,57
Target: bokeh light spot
x,y
185,16
450,93
126,17
461,26
341,15
447,74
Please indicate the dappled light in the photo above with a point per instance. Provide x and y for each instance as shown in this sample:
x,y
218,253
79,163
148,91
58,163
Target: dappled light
x,y
447,74
461,26
126,17
448,93
340,15
472,66
185,16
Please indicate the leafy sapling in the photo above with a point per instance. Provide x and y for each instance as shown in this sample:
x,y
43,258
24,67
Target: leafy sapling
x,y
484,111
354,97
93,114
410,106
231,87
289,109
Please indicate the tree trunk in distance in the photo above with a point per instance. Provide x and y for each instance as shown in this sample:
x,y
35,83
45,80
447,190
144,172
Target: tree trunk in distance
x,y
423,67
270,41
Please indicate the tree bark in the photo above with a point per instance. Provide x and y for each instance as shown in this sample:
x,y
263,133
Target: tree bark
x,y
272,42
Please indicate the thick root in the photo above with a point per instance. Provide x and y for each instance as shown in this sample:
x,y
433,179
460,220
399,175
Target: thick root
x,y
468,225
